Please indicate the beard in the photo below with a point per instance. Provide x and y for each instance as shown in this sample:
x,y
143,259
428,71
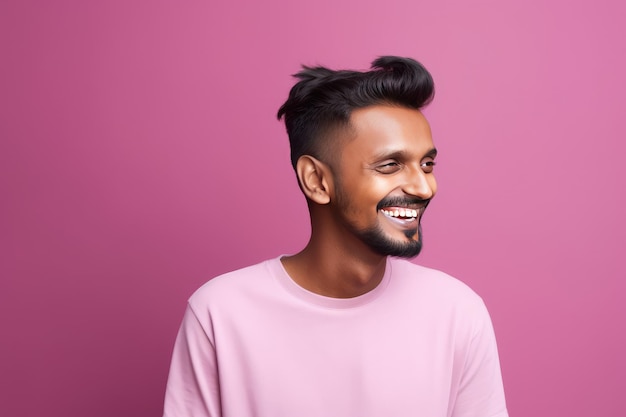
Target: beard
x,y
376,239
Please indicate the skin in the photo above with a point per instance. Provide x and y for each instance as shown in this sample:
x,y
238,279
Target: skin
x,y
388,155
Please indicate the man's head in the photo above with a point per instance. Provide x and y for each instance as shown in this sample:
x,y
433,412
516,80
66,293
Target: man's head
x,y
363,153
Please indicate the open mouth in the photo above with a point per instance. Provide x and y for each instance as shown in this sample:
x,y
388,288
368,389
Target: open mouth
x,y
403,214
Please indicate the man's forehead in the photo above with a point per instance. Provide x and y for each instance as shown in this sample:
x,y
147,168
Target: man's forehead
x,y
388,127
384,115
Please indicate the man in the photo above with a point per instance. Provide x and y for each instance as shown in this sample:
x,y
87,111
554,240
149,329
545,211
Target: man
x,y
344,328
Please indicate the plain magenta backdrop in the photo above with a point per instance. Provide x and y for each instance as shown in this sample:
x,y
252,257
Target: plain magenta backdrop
x,y
140,156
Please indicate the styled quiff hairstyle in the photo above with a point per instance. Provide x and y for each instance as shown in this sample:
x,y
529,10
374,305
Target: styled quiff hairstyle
x,y
323,100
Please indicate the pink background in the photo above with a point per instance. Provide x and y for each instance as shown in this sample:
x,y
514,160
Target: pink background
x,y
140,156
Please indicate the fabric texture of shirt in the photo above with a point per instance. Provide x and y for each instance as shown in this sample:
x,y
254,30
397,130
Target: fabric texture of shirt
x,y
254,343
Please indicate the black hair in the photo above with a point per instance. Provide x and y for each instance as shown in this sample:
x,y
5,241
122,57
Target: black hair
x,y
323,99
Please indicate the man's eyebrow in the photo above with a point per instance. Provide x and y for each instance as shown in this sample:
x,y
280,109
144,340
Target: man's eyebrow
x,y
402,154
431,153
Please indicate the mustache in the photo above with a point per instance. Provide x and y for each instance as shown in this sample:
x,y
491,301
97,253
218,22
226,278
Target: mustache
x,y
406,201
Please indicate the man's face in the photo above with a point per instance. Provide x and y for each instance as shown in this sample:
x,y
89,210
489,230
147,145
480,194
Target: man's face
x,y
384,178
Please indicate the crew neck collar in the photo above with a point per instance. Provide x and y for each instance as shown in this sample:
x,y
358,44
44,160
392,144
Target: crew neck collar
x,y
310,297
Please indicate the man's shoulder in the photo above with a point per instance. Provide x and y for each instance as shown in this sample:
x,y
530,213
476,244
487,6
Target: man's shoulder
x,y
432,281
238,281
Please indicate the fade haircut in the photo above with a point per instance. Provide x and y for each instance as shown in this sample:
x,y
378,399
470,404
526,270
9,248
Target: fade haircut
x,y
322,101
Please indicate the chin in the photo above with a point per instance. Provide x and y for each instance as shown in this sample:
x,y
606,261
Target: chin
x,y
386,246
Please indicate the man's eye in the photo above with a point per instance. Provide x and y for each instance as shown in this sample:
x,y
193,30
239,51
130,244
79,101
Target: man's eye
x,y
388,167
428,166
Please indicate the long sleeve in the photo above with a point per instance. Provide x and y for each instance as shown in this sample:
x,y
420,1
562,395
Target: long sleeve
x,y
193,383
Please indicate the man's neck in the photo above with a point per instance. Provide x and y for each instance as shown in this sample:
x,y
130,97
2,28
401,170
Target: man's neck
x,y
334,271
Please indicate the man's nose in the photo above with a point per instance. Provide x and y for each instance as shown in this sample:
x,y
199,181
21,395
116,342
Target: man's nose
x,y
420,184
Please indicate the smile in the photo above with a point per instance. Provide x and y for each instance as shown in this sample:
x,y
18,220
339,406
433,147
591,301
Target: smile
x,y
401,213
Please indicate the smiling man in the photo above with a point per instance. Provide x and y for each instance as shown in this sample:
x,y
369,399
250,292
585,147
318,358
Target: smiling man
x,y
345,328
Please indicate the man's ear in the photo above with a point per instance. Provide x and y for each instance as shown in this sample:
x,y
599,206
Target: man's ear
x,y
315,179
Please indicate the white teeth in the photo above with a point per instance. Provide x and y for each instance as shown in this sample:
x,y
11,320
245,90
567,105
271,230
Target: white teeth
x,y
401,213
